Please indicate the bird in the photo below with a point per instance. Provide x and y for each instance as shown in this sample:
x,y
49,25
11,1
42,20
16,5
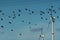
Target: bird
x,y
10,22
26,9
19,10
18,14
3,14
49,22
0,10
13,17
1,19
22,20
29,10
29,22
48,12
57,16
46,19
41,17
2,26
54,11
59,8
9,16
20,34
52,6
13,11
42,12
50,9
11,29
32,12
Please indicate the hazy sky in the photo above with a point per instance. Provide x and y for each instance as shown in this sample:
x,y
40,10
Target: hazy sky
x,y
19,27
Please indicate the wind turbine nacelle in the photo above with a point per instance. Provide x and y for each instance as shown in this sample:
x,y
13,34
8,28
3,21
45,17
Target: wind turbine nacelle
x,y
42,36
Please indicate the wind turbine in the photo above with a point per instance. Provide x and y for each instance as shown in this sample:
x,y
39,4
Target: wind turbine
x,y
51,11
41,35
52,20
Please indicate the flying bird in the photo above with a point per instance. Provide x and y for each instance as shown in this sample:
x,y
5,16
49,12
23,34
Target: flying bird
x,y
13,11
1,19
20,34
59,8
3,14
54,11
2,26
57,16
42,12
19,10
10,22
22,21
0,10
18,14
52,6
32,12
26,9
50,9
14,17
29,22
29,10
41,17
46,19
9,16
12,30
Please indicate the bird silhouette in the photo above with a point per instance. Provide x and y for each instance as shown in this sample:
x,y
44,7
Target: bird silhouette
x,y
19,10
48,12
52,6
3,13
46,19
32,12
2,26
29,22
20,34
26,9
22,21
29,10
10,22
0,10
9,16
50,9
1,19
13,17
42,12
18,14
13,11
57,16
41,17
54,11
12,30
59,8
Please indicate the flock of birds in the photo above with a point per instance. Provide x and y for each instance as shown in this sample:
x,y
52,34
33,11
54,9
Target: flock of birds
x,y
13,17
32,12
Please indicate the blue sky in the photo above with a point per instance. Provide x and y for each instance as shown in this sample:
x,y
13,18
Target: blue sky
x,y
7,6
